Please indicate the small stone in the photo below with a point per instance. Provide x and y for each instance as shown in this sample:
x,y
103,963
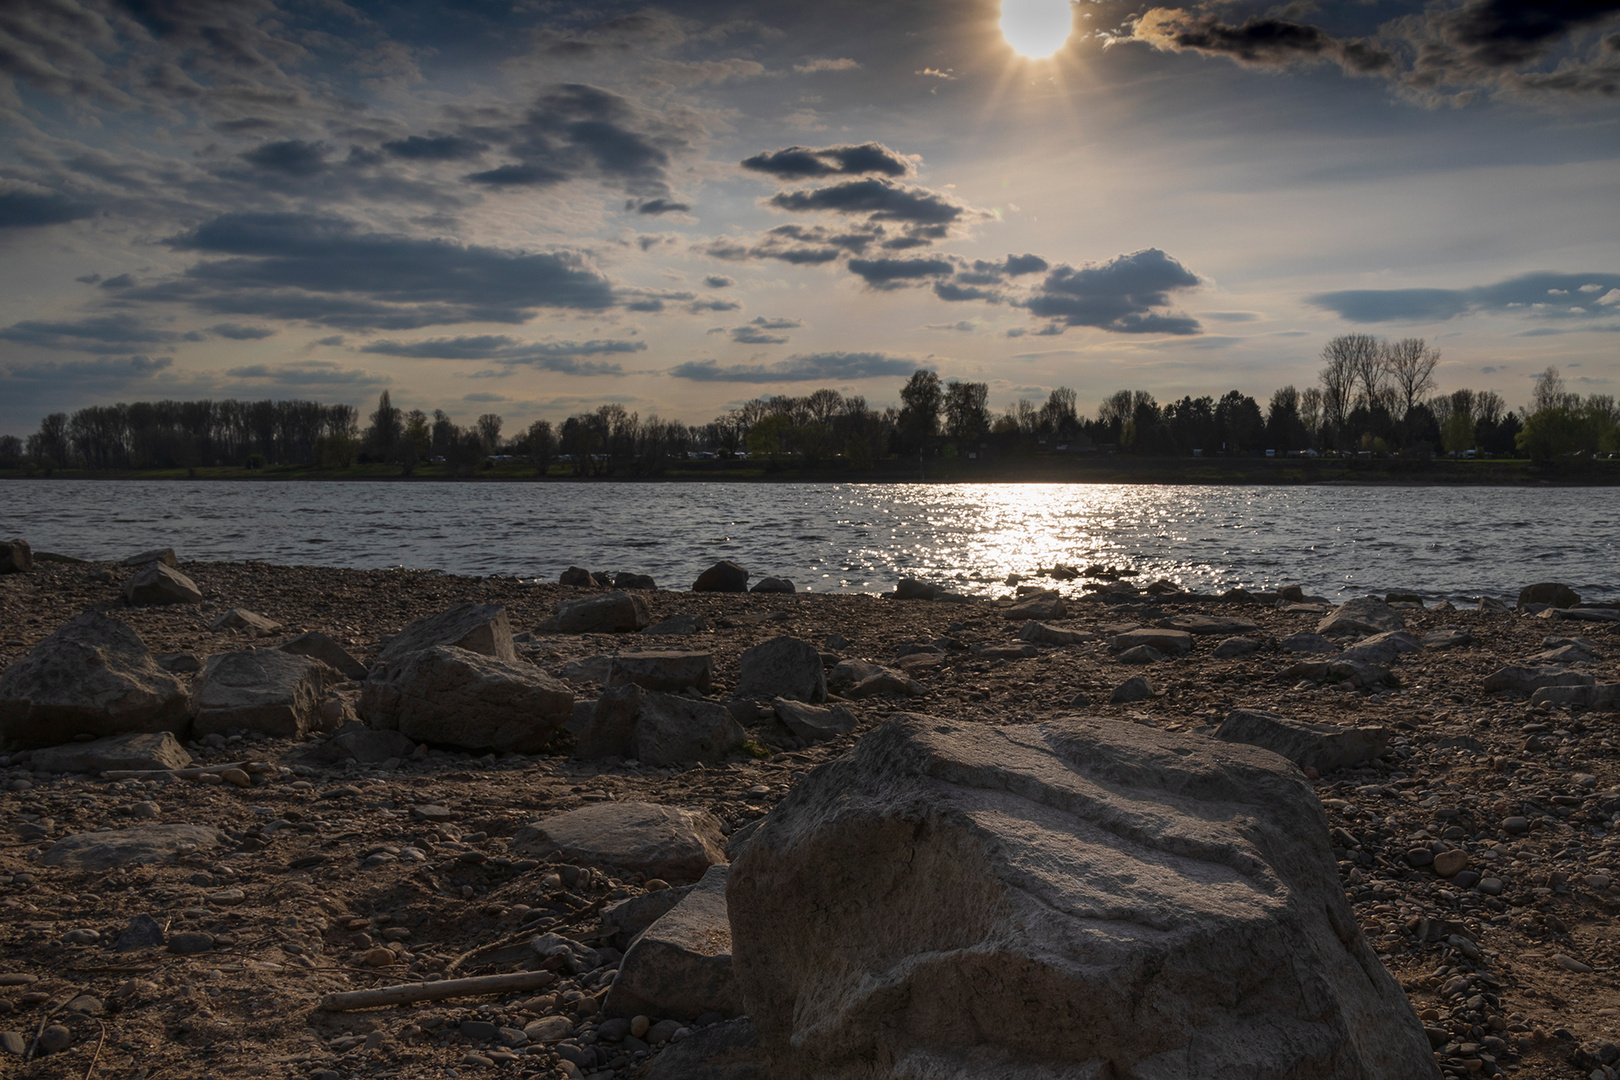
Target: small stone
x,y
376,1040
227,898
549,1029
639,1026
1490,886
1569,963
13,1042
86,1005
480,1030
379,956
54,1039
191,941
1449,863
1420,857
237,777
1516,826
1135,688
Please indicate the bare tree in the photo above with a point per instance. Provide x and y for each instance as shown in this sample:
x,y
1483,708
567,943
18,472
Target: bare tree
x,y
1341,359
1549,392
1411,364
489,432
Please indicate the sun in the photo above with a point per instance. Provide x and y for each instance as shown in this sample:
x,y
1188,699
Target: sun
x,y
1036,28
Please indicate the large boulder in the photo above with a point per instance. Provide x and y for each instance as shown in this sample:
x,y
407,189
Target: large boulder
x,y
135,750
678,730
1555,593
264,690
318,646
16,557
1363,615
783,667
680,967
609,728
655,841
606,613
450,696
723,576
1073,899
663,670
113,849
93,676
479,628
160,583
1324,747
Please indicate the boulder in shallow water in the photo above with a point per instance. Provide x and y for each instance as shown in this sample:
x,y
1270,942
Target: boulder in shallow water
x,y
158,584
93,676
479,628
449,696
723,576
1555,593
1074,899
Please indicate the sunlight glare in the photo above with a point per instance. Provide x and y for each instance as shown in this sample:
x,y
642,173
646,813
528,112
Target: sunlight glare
x,y
1036,28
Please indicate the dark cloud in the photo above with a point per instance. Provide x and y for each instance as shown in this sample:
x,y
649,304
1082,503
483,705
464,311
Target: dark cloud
x,y
1259,40
292,157
1509,33
659,206
1544,295
26,209
719,281
1119,295
763,331
559,356
708,303
950,290
895,273
238,332
435,148
98,333
811,367
882,200
117,369
803,163
313,373
329,270
122,281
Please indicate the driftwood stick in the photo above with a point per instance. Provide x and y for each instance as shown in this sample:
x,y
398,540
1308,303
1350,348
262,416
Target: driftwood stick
x,y
410,993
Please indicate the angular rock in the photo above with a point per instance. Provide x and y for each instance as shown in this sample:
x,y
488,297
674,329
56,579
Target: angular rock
x,y
1449,637
1039,607
135,750
589,669
813,722
452,697
723,576
1142,654
263,690
1520,679
1358,674
1075,899
1363,615
728,1051
115,848
681,966
626,580
16,557
1323,747
773,585
242,619
1208,624
847,673
782,667
1382,648
143,932
318,646
1040,633
1234,647
1596,696
912,589
884,682
609,613
479,628
354,742
610,729
1136,688
675,730
1555,593
677,626
92,676
1168,642
1565,654
160,584
1308,643
165,556
631,837
664,670
624,921
578,577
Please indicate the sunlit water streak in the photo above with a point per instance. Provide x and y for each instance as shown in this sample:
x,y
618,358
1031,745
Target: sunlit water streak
x,y
1439,542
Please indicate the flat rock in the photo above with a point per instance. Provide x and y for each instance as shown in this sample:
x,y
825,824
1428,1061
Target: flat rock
x,y
1449,637
1308,643
250,622
1208,624
1234,647
1382,648
1565,654
655,841
1039,607
624,921
318,646
955,900
166,556
1324,747
1142,654
813,722
677,626
92,676
782,667
159,583
1363,615
1596,696
663,670
846,673
1358,674
723,576
264,690
479,628
676,730
114,848
354,742
1521,679
681,966
626,580
614,612
452,697
728,1051
134,750
1168,642
1040,633
885,683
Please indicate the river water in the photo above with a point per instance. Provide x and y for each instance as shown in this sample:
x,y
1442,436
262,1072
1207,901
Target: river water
x,y
1335,541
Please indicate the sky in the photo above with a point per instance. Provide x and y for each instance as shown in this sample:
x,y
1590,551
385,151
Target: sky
x,y
534,207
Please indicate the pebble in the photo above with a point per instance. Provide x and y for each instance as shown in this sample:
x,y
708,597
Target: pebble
x,y
237,777
554,1029
191,941
1569,963
1449,863
54,1039
639,1026
12,1042
379,956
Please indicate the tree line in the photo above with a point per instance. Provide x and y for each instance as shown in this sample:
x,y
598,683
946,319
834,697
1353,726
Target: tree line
x,y
1371,397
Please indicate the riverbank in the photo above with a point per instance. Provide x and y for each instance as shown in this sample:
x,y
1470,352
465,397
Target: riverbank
x,y
1043,469
1510,960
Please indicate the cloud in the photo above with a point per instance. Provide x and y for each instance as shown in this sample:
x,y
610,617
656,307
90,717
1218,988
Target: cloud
x,y
122,281
293,157
238,332
1538,295
804,163
435,148
951,291
896,273
1260,41
808,367
1119,295
331,271
111,368
311,373
761,331
1232,316
841,64
963,326
719,281
698,307
97,333
659,206
26,209
559,356
881,200
484,399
